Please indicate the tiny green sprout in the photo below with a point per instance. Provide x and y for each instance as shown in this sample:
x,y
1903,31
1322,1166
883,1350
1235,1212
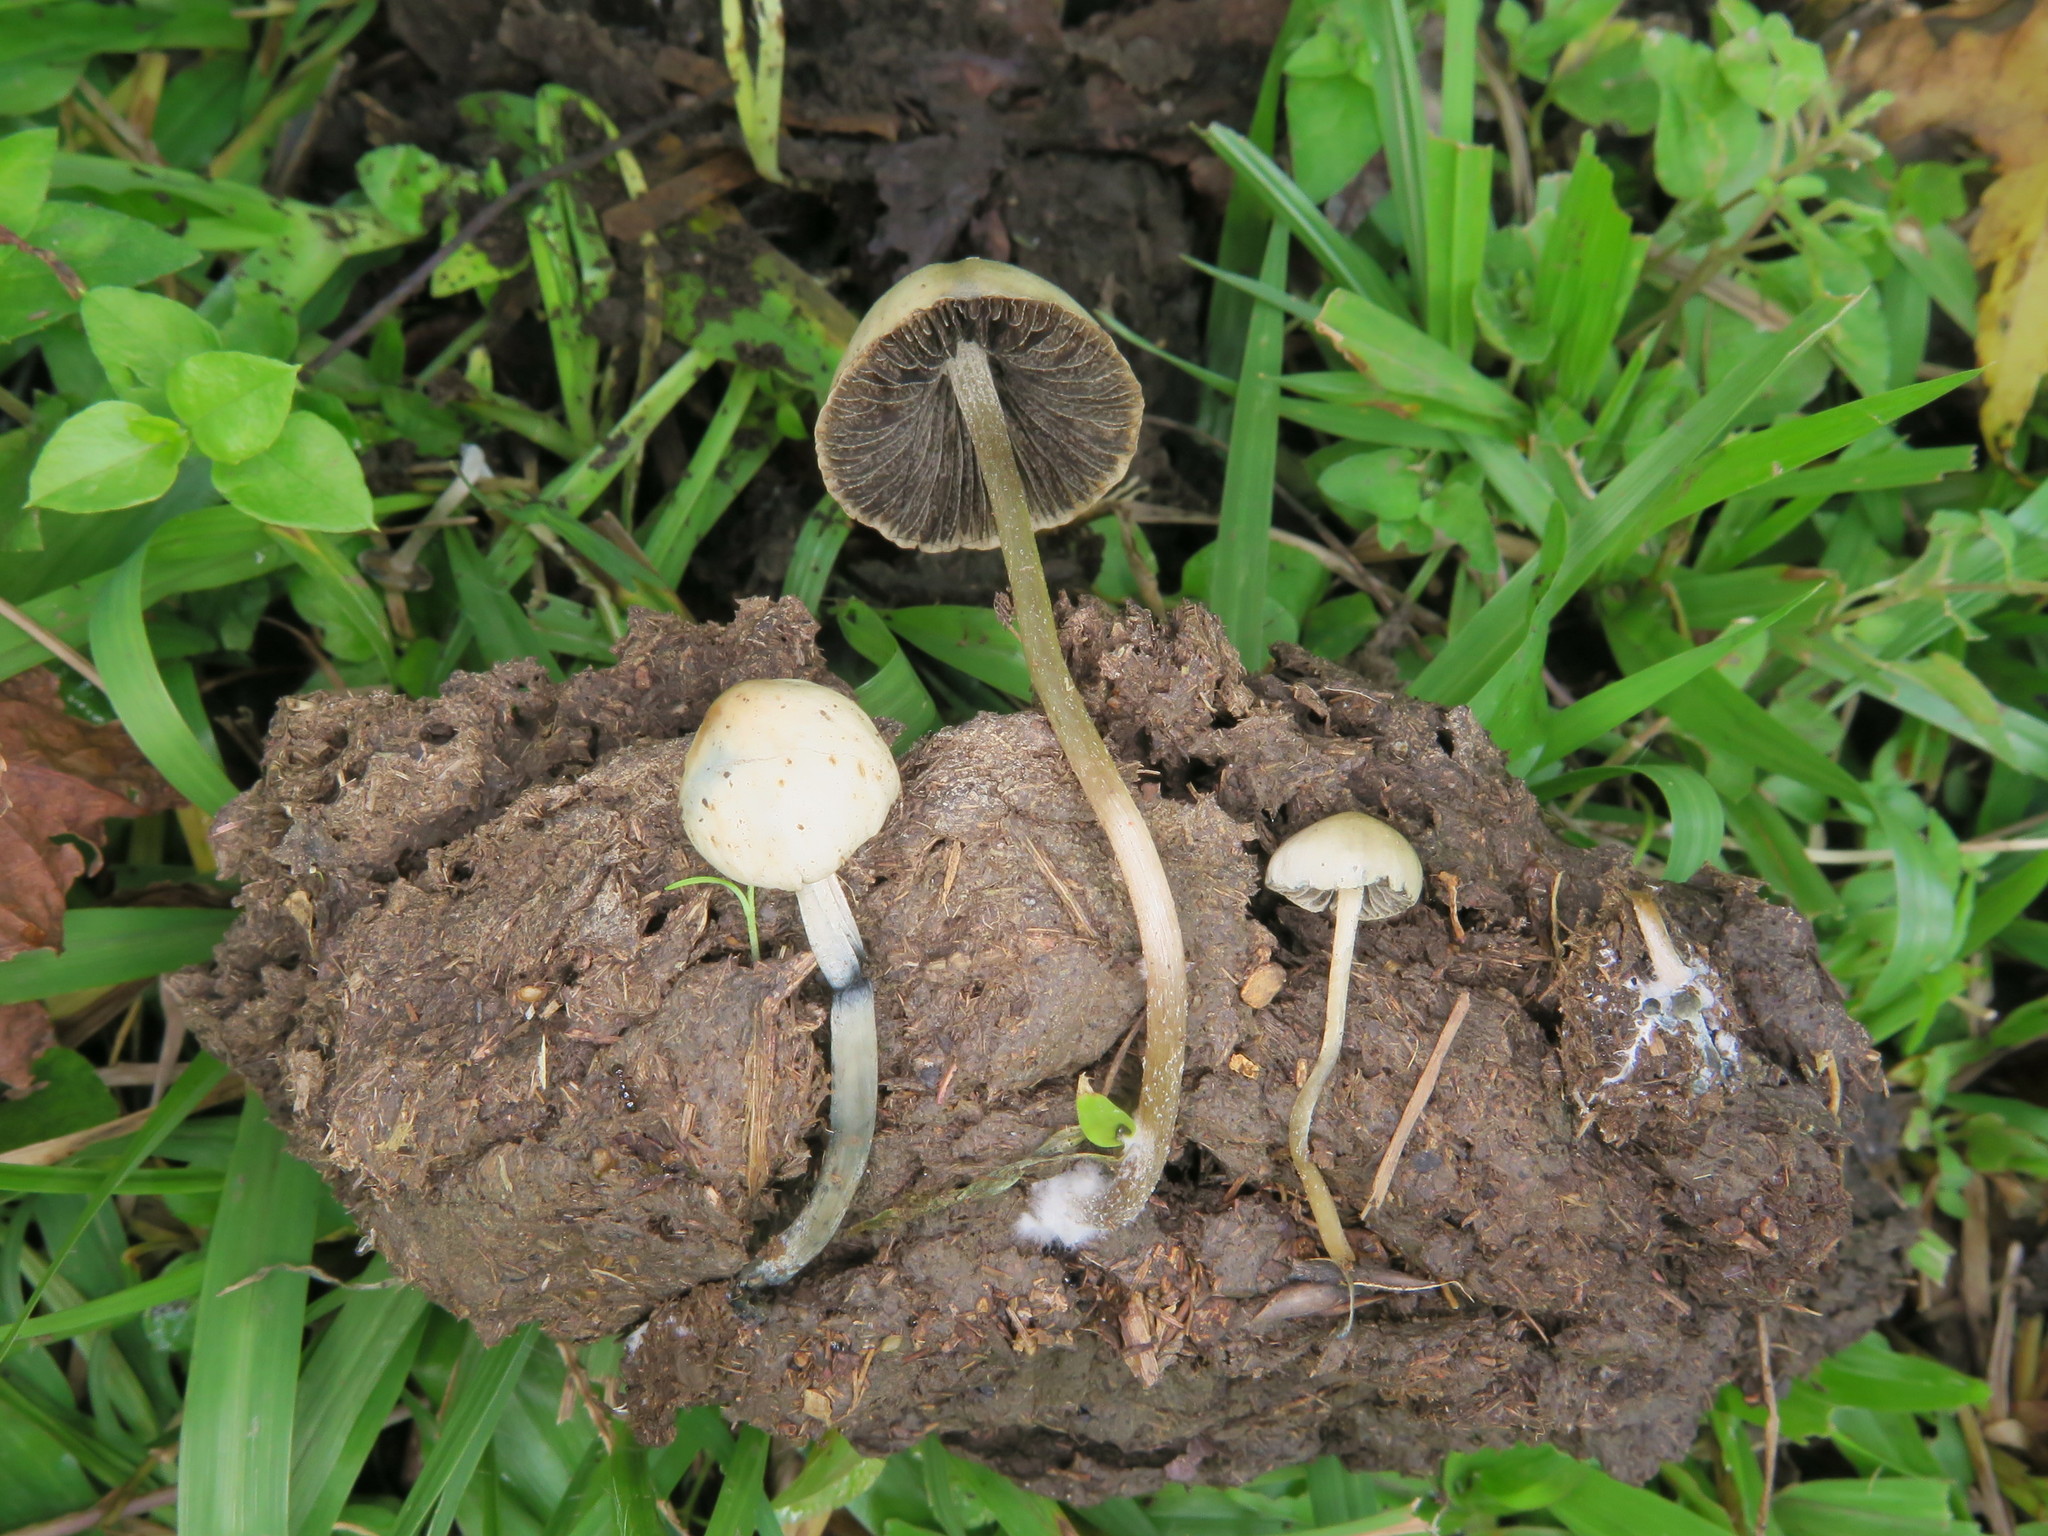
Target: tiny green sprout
x,y
746,895
1102,1120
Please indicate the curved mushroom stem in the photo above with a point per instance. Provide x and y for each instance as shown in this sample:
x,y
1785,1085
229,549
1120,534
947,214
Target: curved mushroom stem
x,y
1166,987
1343,945
835,940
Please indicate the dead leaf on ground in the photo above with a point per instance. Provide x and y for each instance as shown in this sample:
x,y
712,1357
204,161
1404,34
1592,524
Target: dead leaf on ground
x,y
2011,238
61,779
1977,67
1980,68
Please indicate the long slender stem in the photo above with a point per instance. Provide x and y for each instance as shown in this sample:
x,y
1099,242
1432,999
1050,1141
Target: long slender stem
x,y
829,925
1343,945
1130,841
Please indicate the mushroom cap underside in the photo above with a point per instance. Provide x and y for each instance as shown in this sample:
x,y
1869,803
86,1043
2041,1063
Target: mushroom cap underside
x,y
1348,851
784,780
891,443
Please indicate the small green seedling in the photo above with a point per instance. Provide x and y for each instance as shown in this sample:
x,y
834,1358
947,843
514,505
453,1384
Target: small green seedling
x,y
745,893
1102,1120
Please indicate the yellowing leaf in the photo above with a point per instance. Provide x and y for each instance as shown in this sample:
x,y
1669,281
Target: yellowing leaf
x,y
2011,238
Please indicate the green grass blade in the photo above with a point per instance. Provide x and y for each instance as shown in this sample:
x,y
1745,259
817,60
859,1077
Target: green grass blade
x,y
1633,506
1761,458
818,544
1461,68
895,692
1459,216
485,1381
1410,363
677,524
1600,712
181,1099
1404,126
25,1179
1226,387
121,651
1246,215
1285,203
503,631
2005,899
742,1506
1777,854
971,639
576,489
105,945
1238,590
174,1285
1590,263
346,1391
345,589
234,1452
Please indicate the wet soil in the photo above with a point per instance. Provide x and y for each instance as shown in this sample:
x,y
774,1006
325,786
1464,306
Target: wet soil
x,y
553,1091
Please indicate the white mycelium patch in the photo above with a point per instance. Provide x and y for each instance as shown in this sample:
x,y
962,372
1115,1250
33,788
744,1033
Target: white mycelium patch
x,y
1677,998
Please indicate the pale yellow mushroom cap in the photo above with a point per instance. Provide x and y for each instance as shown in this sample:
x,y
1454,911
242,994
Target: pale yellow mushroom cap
x,y
784,780
1348,851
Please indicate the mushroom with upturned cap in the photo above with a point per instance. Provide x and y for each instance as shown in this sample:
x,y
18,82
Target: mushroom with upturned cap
x,y
975,404
784,780
1372,872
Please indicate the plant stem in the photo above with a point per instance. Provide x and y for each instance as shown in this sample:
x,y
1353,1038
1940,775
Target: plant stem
x,y
1165,963
1343,945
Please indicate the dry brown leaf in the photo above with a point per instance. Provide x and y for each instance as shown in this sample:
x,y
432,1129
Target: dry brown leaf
x,y
60,778
1979,67
2011,238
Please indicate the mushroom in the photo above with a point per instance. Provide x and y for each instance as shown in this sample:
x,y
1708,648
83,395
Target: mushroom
x,y
974,404
1373,873
784,780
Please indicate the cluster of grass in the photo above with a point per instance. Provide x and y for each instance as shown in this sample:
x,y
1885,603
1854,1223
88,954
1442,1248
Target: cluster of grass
x,y
1617,416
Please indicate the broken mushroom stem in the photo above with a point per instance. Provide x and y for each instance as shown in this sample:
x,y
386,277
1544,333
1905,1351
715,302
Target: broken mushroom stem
x,y
1372,872
783,782
976,404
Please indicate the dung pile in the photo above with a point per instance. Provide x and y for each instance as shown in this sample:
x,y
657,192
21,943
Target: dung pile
x,y
554,1091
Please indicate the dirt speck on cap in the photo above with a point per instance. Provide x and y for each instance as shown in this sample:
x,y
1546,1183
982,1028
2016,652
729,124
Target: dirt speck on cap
x,y
556,1092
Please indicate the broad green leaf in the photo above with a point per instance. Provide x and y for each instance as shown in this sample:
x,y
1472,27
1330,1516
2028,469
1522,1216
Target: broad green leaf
x,y
1709,141
970,638
503,630
140,337
25,158
1888,1506
234,403
1600,1506
106,945
98,244
349,602
307,478
111,455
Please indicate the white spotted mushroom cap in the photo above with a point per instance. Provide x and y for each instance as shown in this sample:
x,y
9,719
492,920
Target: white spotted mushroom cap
x,y
1348,851
784,780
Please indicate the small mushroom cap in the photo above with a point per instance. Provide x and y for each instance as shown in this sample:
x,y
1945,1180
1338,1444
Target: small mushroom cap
x,y
1348,851
784,781
891,444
